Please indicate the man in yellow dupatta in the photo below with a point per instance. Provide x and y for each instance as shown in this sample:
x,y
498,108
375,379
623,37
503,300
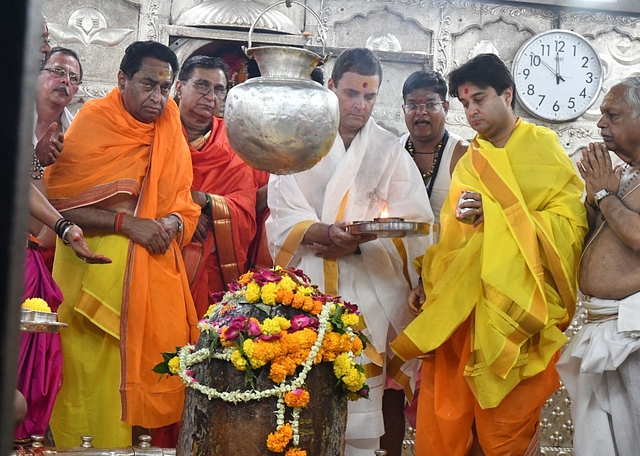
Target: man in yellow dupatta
x,y
499,288
125,176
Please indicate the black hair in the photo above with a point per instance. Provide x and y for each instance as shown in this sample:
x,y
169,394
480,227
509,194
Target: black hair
x,y
357,60
202,61
138,50
318,75
426,80
64,51
484,70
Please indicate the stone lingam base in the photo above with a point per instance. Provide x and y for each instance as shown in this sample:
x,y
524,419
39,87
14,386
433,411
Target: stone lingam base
x,y
218,428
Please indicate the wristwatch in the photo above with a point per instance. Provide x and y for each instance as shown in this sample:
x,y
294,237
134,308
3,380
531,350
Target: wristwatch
x,y
600,195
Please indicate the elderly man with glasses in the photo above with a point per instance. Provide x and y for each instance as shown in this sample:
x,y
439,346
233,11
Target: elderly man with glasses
x,y
223,185
58,81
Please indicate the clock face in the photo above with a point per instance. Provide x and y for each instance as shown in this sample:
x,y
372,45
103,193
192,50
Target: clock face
x,y
558,75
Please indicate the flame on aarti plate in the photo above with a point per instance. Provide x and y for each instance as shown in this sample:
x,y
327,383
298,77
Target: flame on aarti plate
x,y
384,210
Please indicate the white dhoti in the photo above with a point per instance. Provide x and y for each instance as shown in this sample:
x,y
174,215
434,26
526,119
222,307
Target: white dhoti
x,y
600,368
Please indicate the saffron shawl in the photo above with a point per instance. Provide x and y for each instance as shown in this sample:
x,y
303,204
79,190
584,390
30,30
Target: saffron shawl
x,y
229,181
108,152
515,273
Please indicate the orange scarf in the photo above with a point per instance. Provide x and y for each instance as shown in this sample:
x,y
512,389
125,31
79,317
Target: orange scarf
x,y
108,152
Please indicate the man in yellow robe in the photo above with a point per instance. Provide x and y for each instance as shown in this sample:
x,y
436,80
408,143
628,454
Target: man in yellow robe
x,y
501,285
125,177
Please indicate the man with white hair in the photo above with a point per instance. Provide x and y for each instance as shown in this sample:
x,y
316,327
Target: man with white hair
x,y
601,365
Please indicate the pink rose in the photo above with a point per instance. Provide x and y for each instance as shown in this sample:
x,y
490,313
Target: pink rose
x,y
303,321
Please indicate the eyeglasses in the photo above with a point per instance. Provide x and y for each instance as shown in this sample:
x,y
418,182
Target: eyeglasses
x,y
205,89
59,72
428,107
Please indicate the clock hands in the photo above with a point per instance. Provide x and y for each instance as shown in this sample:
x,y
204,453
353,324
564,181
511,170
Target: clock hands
x,y
558,77
550,68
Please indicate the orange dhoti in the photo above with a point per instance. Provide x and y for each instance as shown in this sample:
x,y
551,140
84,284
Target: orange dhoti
x,y
447,407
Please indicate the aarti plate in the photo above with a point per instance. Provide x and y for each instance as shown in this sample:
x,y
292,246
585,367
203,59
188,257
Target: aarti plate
x,y
42,327
391,227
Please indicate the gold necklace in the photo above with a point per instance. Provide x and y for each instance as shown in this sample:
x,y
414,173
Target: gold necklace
x,y
436,152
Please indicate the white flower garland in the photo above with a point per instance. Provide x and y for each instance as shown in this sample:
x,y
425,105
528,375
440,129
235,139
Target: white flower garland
x,y
188,358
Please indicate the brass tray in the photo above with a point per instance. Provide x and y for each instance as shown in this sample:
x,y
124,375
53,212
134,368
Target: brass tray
x,y
391,227
42,327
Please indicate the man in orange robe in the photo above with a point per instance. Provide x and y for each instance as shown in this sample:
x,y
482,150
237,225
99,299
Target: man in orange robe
x,y
223,185
501,285
125,176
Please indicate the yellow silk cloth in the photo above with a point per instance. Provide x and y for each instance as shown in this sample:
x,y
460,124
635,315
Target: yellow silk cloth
x,y
140,305
515,274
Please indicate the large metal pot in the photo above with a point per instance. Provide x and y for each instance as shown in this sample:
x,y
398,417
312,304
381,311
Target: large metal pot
x,y
282,122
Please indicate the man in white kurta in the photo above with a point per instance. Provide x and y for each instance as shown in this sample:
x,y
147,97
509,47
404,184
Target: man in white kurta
x,y
365,171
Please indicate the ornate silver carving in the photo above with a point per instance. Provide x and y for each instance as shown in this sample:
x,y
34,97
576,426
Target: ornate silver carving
x,y
152,22
383,41
88,26
443,61
236,13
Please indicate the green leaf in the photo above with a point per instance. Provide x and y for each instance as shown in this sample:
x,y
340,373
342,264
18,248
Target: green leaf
x,y
249,376
161,368
264,307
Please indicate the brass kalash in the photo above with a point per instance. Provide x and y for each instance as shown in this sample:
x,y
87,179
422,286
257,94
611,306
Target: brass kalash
x,y
282,122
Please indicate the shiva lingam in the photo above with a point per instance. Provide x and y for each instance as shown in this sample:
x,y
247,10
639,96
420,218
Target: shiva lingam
x,y
282,122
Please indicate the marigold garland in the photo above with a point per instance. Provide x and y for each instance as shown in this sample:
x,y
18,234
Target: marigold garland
x,y
324,332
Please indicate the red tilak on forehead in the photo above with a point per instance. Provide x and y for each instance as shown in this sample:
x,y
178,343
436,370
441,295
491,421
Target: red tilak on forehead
x,y
466,90
364,85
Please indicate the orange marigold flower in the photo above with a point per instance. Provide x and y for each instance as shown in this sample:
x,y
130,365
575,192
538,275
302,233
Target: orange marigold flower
x,y
245,278
356,346
297,398
287,299
277,372
266,350
278,441
307,306
331,342
345,342
295,452
317,308
298,300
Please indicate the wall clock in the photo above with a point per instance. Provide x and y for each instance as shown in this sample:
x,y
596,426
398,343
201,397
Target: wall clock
x,y
558,75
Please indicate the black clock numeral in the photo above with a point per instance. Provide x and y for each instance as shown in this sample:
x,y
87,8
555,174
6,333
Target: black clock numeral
x,y
572,103
535,60
542,97
545,49
585,62
531,89
589,77
526,73
559,46
575,50
556,106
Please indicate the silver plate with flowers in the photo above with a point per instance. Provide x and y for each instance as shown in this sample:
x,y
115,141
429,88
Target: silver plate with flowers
x,y
40,322
389,227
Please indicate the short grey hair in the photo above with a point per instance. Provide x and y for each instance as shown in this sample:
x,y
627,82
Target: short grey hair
x,y
632,93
